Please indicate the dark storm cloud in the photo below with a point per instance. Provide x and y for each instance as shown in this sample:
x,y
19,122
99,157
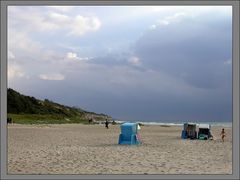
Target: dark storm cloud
x,y
194,49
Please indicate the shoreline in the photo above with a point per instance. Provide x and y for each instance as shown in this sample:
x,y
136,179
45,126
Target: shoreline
x,y
225,124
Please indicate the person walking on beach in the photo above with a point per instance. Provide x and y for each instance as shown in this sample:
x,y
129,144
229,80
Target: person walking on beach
x,y
106,124
223,134
90,121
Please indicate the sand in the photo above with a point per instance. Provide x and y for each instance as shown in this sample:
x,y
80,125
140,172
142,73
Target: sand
x,y
92,149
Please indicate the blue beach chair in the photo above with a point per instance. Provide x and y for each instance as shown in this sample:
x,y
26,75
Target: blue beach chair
x,y
129,134
189,131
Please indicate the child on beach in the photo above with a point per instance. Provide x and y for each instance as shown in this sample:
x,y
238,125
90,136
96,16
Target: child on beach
x,y
223,134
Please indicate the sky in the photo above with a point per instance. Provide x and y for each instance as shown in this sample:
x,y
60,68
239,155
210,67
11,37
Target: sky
x,y
134,63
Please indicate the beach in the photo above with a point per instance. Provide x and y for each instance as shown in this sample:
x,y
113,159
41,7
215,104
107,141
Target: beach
x,y
93,149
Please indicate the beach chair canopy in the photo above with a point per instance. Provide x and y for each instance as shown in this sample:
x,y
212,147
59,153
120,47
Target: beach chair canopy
x,y
129,128
189,126
129,134
189,131
204,126
204,131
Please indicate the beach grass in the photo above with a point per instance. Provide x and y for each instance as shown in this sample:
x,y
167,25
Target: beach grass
x,y
45,119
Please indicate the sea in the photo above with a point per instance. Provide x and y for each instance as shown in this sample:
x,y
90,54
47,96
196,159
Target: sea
x,y
221,124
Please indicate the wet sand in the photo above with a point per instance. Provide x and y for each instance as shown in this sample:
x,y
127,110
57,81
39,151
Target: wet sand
x,y
92,149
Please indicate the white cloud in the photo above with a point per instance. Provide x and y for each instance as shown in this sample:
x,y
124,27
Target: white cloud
x,y
11,55
71,55
74,56
228,62
152,27
188,9
15,71
58,18
61,8
85,58
32,21
134,61
20,41
163,22
56,77
29,21
81,25
78,25
170,19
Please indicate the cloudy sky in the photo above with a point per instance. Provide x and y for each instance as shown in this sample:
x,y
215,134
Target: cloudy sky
x,y
153,63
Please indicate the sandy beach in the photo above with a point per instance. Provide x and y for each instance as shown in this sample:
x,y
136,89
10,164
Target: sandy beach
x,y
92,149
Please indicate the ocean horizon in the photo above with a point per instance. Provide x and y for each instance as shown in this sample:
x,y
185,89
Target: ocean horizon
x,y
223,124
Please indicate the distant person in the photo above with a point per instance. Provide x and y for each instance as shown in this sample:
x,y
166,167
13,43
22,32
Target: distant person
x,y
90,121
223,134
106,124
